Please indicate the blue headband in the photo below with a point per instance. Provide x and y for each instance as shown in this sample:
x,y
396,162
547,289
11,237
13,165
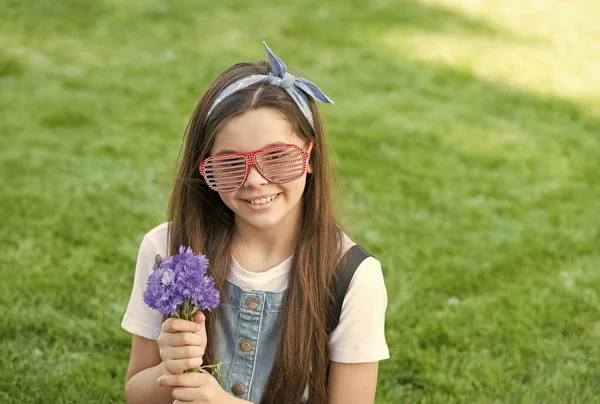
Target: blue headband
x,y
297,87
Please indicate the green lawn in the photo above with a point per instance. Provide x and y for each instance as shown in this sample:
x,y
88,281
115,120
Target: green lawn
x,y
466,133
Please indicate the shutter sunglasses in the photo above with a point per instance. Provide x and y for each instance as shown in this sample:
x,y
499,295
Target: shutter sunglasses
x,y
278,164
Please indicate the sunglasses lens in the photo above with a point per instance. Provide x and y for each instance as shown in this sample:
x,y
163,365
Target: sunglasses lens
x,y
225,174
281,164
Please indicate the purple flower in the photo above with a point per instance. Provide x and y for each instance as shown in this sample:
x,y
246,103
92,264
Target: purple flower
x,y
179,285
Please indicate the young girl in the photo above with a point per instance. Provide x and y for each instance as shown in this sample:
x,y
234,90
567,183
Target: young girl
x,y
253,193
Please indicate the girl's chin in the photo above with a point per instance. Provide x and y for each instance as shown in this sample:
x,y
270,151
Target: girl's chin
x,y
265,224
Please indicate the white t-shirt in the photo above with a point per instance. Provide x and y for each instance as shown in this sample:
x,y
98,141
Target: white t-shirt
x,y
359,336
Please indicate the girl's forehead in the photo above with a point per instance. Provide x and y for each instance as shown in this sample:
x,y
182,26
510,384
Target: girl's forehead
x,y
254,130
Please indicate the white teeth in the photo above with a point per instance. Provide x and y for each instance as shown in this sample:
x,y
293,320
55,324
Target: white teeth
x,y
263,200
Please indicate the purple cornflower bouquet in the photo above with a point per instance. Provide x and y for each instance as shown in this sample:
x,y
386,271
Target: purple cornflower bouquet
x,y
180,287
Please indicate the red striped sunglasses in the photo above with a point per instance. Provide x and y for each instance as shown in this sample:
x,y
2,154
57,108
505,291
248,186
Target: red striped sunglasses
x,y
278,164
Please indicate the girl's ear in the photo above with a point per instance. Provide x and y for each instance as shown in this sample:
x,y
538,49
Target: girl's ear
x,y
308,165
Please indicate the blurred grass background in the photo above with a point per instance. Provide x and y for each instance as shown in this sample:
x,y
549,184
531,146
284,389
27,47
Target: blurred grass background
x,y
467,136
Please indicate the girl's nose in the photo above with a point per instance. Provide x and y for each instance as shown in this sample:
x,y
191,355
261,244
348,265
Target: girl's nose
x,y
254,179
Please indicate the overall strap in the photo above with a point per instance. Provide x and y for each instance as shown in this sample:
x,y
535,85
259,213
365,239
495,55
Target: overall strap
x,y
344,273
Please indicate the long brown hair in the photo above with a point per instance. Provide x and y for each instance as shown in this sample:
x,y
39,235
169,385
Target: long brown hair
x,y
200,219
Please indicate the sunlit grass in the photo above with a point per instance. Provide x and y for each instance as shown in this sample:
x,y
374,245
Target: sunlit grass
x,y
528,49
467,138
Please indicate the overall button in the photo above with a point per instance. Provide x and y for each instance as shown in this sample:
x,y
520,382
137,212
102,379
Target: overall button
x,y
252,302
238,389
245,345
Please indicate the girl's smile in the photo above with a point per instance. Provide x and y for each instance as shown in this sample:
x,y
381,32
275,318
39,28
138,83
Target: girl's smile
x,y
261,203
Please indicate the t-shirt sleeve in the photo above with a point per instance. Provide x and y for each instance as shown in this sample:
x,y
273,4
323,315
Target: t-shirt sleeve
x,y
139,319
360,336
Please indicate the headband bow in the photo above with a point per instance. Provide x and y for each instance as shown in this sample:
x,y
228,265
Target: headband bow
x,y
297,87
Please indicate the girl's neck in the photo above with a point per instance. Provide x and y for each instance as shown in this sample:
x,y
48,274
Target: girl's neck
x,y
258,250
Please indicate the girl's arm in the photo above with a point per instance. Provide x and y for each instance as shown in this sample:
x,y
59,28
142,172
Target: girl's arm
x,y
352,383
145,366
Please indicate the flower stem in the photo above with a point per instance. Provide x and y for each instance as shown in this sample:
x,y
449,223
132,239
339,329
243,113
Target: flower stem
x,y
187,313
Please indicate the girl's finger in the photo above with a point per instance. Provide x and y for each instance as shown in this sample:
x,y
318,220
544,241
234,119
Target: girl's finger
x,y
192,379
185,393
183,338
187,351
199,318
177,366
179,325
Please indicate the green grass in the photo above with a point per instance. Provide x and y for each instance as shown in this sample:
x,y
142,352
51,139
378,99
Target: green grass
x,y
467,135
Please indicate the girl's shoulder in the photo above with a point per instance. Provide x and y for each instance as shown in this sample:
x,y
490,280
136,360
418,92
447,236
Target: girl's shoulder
x,y
159,231
360,335
347,243
368,272
158,238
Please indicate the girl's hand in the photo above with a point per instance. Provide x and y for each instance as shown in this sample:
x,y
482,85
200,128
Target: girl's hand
x,y
181,343
197,388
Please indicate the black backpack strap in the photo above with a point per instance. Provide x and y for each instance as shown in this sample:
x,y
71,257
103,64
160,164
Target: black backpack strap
x,y
344,273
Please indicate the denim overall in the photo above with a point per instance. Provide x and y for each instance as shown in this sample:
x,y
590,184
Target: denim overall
x,y
247,340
